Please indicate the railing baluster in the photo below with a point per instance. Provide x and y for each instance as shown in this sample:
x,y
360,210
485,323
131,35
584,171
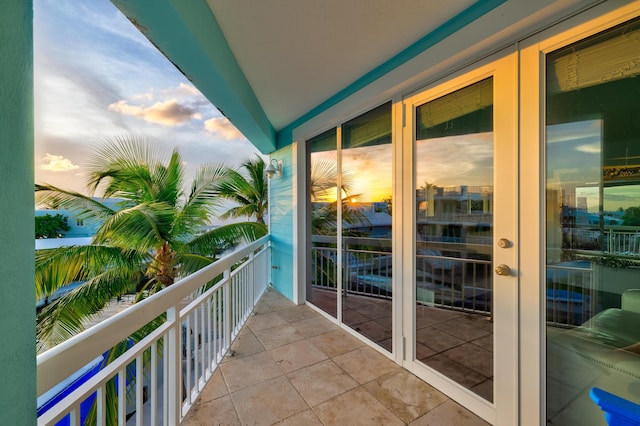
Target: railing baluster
x,y
203,344
139,391
100,406
173,378
153,385
122,396
226,300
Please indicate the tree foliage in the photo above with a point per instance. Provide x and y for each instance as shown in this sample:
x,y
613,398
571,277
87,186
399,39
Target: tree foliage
x,y
248,189
150,239
51,226
631,216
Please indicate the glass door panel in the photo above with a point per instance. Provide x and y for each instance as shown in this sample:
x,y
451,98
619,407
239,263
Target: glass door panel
x,y
322,286
454,233
593,224
366,160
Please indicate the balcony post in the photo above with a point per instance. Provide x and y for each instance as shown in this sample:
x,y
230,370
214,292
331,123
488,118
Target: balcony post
x,y
17,327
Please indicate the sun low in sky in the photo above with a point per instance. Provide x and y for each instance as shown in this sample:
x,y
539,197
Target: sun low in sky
x,y
96,77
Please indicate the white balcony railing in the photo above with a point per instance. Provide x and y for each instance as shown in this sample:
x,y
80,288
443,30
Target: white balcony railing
x,y
158,377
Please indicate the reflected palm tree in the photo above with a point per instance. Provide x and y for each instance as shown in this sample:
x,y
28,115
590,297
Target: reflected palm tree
x,y
324,193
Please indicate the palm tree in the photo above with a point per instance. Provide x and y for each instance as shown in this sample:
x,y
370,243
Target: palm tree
x,y
249,191
144,244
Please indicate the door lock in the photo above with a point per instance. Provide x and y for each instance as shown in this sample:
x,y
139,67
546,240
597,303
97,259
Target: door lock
x,y
503,270
504,243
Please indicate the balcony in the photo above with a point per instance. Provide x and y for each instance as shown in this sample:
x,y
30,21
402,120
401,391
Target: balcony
x,y
227,349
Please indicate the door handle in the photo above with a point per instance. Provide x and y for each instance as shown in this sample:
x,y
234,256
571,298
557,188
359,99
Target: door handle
x,y
503,270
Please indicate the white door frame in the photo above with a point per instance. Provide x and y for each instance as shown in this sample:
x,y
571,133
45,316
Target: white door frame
x,y
503,68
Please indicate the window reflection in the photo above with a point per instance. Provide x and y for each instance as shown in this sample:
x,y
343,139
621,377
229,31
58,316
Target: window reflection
x,y
593,234
454,234
366,225
322,207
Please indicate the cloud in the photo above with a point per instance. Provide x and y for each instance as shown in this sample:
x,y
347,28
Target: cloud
x,y
167,113
222,127
183,89
57,163
593,148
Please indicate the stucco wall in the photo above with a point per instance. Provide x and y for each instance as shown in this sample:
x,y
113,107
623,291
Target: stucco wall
x,y
281,210
17,304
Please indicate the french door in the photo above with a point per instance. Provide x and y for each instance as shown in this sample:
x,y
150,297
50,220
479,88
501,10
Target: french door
x,y
460,265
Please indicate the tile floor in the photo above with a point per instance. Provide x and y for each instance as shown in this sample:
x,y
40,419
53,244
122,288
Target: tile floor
x,y
291,366
457,344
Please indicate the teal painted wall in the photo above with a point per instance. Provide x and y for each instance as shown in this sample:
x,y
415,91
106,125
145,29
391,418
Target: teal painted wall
x,y
17,304
281,212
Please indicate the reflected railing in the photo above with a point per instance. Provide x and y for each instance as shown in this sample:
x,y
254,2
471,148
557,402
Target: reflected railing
x,y
451,282
448,281
190,327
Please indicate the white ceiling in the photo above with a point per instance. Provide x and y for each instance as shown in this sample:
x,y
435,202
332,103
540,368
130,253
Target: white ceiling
x,y
296,54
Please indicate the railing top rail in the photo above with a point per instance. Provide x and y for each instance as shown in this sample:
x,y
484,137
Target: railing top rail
x,y
59,362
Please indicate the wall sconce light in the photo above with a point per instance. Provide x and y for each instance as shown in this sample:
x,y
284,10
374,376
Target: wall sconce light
x,y
274,169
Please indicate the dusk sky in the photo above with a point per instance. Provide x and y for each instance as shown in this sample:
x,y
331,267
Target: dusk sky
x,y
96,76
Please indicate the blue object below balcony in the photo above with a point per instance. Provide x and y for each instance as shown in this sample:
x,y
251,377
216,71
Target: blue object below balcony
x,y
617,411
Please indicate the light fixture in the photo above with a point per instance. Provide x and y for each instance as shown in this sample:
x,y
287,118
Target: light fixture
x,y
274,169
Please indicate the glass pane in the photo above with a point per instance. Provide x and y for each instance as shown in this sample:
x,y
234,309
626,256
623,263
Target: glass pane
x,y
323,228
454,232
366,224
593,224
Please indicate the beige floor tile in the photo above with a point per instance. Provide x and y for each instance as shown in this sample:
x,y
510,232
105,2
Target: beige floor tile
x,y
262,308
215,388
449,414
271,294
306,418
268,402
217,412
280,303
297,313
405,395
297,355
356,407
365,364
245,344
321,382
265,321
250,370
278,336
336,343
314,326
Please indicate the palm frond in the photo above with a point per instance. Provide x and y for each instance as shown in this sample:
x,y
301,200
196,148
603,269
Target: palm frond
x,y
249,191
66,316
58,267
203,200
210,243
141,227
82,206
